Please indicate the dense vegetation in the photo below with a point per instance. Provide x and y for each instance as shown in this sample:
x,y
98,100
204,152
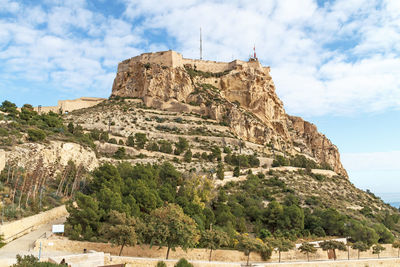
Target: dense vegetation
x,y
262,206
131,204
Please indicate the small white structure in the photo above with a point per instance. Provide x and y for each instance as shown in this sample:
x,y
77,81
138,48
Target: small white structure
x,y
57,228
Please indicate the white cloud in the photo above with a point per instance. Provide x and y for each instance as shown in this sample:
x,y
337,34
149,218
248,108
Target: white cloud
x,y
341,58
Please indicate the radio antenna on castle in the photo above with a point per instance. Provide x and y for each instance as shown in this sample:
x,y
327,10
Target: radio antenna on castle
x,y
254,49
201,46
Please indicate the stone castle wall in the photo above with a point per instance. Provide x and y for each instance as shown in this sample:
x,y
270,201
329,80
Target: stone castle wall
x,y
70,105
174,59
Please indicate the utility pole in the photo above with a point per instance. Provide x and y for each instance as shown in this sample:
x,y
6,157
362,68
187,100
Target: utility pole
x,y
109,124
201,46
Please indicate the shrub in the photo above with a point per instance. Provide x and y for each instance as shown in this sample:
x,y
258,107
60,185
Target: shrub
x,y
183,263
280,161
187,157
120,153
161,264
3,132
236,171
165,146
36,135
112,141
130,141
152,146
140,140
104,137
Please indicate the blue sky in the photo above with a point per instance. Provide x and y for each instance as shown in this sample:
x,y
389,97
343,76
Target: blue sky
x,y
335,63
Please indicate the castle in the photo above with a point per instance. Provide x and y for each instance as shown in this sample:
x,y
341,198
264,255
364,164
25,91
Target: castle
x,y
174,59
70,105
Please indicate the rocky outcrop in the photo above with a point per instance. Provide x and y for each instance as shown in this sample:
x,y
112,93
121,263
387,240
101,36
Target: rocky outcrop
x,y
312,142
56,154
242,95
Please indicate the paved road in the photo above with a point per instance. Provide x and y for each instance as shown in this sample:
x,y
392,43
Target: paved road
x,y
24,245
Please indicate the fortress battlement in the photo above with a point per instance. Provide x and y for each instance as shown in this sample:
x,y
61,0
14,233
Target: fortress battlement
x,y
174,59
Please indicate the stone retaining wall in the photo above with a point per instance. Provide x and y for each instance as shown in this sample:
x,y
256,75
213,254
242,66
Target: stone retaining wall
x,y
144,251
15,229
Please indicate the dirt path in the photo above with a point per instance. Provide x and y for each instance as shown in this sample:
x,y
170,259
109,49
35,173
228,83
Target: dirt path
x,y
24,245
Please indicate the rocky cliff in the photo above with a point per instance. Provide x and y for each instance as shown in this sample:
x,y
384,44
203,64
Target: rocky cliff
x,y
241,95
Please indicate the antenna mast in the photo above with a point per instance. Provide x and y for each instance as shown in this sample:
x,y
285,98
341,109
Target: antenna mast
x,y
201,46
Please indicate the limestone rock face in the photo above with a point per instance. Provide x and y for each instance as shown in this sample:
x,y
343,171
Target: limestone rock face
x,y
53,155
240,94
316,144
142,80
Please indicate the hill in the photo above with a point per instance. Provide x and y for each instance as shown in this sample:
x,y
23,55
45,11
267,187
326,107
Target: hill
x,y
210,141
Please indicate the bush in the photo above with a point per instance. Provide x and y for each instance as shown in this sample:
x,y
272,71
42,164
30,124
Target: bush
x,y
140,140
280,161
152,146
183,263
112,141
36,135
161,264
165,146
3,132
104,137
236,171
32,261
187,157
120,153
130,141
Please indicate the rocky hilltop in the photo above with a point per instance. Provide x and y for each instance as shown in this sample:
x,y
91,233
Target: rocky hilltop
x,y
238,94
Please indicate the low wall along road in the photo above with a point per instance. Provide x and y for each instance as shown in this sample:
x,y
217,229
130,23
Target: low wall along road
x,y
15,229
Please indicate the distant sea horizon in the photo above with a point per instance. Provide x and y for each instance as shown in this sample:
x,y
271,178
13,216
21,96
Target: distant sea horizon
x,y
392,199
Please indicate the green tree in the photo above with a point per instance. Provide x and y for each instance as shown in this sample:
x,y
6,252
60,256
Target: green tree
x,y
9,107
27,113
120,230
214,239
187,157
120,153
307,248
181,145
183,263
220,171
32,261
385,236
165,146
273,215
359,232
152,146
333,245
281,244
104,137
140,140
377,249
130,141
161,264
70,127
361,247
169,226
249,244
236,171
36,135
84,216
396,244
